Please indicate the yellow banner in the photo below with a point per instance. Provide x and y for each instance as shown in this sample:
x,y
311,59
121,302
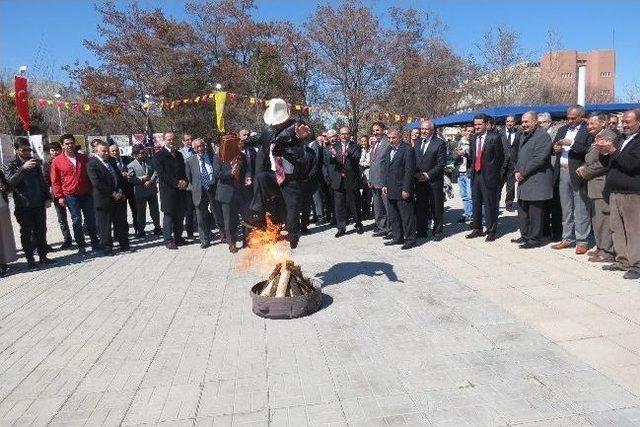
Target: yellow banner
x,y
220,99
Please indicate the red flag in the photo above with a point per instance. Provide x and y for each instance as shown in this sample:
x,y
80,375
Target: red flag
x,y
22,101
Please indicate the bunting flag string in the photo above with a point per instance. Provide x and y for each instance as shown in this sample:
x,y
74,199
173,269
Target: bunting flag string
x,y
81,106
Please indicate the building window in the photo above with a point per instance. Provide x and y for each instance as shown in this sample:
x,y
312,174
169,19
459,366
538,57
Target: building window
x,y
565,75
605,74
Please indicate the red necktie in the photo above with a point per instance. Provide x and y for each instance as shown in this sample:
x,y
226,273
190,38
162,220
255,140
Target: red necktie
x,y
344,157
280,177
477,163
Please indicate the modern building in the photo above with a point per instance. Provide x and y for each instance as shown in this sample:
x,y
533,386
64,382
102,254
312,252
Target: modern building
x,y
559,73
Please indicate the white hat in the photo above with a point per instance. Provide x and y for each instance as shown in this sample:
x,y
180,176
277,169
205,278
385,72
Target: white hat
x,y
277,112
331,132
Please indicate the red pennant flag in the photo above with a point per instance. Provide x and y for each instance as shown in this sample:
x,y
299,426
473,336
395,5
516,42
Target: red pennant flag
x,y
42,102
22,101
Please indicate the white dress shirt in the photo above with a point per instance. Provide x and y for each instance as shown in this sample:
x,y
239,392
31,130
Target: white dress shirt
x,y
626,141
564,155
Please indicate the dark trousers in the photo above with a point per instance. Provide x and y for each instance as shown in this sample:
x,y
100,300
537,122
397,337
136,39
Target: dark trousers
x,y
33,223
347,201
189,212
133,207
207,208
283,202
482,195
367,197
172,224
141,211
61,214
311,187
510,184
402,219
327,198
230,219
114,216
553,215
79,207
429,206
531,217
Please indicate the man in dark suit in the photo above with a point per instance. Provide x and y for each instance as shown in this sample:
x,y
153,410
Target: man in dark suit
x,y
127,187
312,185
282,164
430,160
399,164
169,165
376,179
571,144
109,199
510,136
534,174
145,189
246,189
342,161
486,161
200,169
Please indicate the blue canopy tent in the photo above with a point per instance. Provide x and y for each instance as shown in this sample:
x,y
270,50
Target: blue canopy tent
x,y
557,111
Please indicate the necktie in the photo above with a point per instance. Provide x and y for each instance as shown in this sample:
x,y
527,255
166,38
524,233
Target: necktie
x,y
344,157
204,175
280,177
113,173
477,163
424,146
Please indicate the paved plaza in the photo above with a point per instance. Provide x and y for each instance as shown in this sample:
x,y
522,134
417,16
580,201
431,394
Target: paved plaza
x,y
452,333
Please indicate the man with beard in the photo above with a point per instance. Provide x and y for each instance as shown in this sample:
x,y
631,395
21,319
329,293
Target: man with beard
x,y
282,164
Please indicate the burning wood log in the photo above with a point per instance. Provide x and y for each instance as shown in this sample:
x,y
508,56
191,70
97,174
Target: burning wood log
x,y
286,280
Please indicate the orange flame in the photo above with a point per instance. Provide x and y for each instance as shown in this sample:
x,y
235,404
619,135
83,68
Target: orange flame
x,y
266,249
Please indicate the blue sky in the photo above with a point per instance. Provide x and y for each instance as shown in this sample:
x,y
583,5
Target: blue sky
x,y
45,35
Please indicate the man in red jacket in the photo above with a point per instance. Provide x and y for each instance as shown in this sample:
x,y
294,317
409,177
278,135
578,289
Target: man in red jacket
x,y
71,187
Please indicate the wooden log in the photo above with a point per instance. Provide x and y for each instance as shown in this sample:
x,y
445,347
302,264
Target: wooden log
x,y
294,287
283,283
272,281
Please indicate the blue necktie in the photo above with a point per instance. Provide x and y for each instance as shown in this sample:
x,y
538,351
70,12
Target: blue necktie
x,y
204,175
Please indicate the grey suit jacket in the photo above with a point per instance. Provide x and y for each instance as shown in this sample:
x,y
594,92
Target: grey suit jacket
x,y
534,163
192,169
595,174
377,172
139,190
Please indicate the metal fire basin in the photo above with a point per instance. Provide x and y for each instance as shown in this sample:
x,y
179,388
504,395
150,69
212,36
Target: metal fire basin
x,y
286,307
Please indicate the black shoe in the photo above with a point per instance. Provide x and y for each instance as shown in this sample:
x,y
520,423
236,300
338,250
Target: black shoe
x,y
45,260
106,252
82,250
359,229
127,248
304,230
254,220
519,240
438,237
613,267
65,245
530,245
408,245
379,234
171,245
181,242
48,249
462,220
140,235
205,245
233,249
293,242
32,265
393,242
157,231
340,233
491,237
388,236
631,275
474,234
510,207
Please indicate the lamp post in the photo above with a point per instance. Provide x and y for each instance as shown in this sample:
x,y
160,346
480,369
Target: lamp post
x,y
57,96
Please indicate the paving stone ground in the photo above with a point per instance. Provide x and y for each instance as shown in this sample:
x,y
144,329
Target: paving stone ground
x,y
453,333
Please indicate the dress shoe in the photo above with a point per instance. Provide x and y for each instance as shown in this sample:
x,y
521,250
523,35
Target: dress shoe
x,y
601,258
359,229
32,265
474,234
393,242
82,250
519,240
106,252
140,235
408,245
422,235
205,245
45,260
127,248
388,236
293,242
491,237
562,245
438,237
49,248
171,245
594,252
379,234
462,220
304,230
190,236
233,249
581,249
157,231
613,267
181,242
340,233
66,245
631,275
530,245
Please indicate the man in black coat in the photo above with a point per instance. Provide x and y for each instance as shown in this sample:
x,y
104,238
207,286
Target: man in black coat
x,y
312,184
430,160
486,162
109,199
509,137
32,197
282,164
169,165
342,161
127,186
399,165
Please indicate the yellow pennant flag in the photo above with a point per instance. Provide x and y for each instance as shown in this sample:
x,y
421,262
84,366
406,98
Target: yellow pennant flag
x,y
220,99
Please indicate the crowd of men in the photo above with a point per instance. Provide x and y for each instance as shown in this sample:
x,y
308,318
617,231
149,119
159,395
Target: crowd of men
x,y
576,185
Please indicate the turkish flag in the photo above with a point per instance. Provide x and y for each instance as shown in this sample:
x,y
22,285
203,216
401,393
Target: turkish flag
x,y
22,101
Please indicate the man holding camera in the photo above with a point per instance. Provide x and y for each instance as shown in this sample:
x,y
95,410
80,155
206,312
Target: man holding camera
x,y
282,164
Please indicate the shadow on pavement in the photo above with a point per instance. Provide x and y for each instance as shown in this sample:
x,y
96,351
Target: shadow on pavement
x,y
344,271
